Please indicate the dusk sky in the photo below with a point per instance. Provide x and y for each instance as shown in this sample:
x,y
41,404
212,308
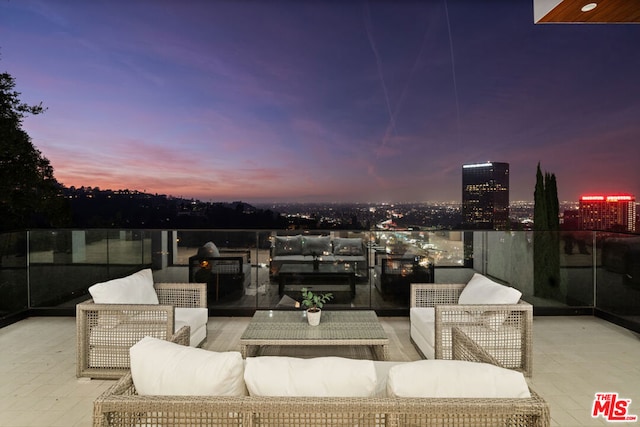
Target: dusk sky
x,y
323,101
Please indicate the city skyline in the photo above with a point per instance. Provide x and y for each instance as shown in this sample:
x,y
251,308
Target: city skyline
x,y
323,101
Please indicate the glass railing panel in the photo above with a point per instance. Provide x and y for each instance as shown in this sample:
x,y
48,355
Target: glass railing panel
x,y
618,275
577,268
14,295
54,268
130,247
64,263
397,259
507,256
562,275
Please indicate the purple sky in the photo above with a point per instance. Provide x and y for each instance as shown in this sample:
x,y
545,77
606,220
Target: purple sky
x,y
323,100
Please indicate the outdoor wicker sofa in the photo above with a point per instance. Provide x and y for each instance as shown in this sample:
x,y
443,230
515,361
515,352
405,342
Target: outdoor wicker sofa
x,y
120,405
105,332
503,330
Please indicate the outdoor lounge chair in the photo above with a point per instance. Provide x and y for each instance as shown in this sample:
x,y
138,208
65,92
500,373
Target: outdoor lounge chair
x,y
504,331
106,332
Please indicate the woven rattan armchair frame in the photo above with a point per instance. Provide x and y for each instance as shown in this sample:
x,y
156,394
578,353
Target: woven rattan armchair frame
x,y
510,341
105,332
120,406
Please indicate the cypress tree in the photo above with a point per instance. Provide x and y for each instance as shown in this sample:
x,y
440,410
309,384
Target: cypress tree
x,y
546,240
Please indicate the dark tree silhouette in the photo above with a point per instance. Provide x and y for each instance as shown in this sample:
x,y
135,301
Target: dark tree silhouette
x,y
546,239
29,194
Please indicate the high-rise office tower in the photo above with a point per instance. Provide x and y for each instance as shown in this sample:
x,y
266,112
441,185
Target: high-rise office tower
x,y
485,196
610,213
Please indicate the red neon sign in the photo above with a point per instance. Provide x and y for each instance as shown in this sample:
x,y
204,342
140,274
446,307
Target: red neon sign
x,y
618,198
614,198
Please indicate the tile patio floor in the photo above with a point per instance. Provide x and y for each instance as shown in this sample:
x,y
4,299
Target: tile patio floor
x,y
574,357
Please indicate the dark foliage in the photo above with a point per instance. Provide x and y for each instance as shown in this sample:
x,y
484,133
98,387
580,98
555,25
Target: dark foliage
x,y
29,194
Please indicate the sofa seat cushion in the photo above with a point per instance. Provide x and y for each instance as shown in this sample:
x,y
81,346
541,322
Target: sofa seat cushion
x,y
293,258
136,288
455,379
316,377
164,368
196,319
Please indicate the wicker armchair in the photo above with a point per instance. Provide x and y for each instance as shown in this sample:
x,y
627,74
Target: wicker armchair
x,y
105,332
503,331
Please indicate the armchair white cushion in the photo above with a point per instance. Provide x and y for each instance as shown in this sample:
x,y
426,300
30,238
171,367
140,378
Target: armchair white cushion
x,y
489,313
136,288
482,290
128,309
194,317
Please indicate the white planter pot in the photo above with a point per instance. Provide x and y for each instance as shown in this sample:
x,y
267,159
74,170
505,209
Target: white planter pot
x,y
313,317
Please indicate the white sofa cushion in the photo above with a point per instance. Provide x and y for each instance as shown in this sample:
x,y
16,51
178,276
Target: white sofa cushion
x,y
136,288
455,378
163,368
316,377
382,373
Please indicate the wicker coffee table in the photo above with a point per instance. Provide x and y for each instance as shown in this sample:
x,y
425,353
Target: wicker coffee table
x,y
337,328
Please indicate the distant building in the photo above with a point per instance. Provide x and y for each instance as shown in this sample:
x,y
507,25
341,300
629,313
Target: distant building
x,y
610,213
485,196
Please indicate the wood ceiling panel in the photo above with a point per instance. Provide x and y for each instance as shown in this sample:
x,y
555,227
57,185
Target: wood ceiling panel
x,y
607,11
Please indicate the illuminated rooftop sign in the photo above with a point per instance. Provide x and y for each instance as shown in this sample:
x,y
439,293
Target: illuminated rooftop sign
x,y
477,165
618,198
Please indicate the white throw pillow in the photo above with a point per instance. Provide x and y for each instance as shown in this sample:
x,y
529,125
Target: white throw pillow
x,y
134,289
482,290
453,379
163,368
316,377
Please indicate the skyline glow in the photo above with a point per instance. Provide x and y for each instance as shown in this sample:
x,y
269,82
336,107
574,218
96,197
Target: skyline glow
x,y
323,101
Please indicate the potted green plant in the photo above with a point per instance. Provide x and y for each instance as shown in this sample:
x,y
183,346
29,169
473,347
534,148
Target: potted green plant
x,y
314,303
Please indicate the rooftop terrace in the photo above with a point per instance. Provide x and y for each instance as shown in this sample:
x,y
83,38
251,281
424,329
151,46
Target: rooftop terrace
x,y
577,350
574,358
